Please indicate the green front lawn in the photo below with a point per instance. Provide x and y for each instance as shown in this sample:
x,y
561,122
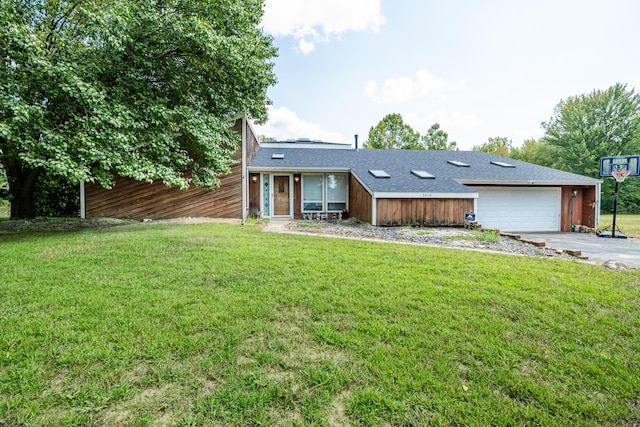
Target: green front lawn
x,y
216,324
627,223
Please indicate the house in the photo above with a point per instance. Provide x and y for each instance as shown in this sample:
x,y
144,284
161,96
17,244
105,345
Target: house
x,y
312,179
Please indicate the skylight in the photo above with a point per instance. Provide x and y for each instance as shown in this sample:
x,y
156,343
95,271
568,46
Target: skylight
x,y
503,164
277,156
422,174
379,173
459,164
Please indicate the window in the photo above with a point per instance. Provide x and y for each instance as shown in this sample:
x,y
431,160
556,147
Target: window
x,y
325,193
378,173
457,163
336,192
265,195
422,174
502,164
312,192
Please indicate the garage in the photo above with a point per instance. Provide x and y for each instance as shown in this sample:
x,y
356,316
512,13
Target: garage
x,y
519,208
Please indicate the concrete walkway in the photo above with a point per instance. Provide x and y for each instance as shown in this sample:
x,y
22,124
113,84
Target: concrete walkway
x,y
598,249
277,225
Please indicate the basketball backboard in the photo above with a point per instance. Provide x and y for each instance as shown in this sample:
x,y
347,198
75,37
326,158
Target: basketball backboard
x,y
610,164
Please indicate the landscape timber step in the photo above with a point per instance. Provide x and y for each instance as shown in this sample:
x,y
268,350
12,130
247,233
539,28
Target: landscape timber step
x,y
511,235
573,252
536,243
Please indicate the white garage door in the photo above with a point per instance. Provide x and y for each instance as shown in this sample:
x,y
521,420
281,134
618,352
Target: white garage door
x,y
519,209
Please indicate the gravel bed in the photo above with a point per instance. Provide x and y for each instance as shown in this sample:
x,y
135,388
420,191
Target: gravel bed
x,y
434,236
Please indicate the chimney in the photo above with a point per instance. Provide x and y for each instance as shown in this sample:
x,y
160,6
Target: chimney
x,y
356,137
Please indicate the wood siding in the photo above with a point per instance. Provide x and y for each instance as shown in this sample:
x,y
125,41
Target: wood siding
x,y
297,196
252,145
359,201
589,206
578,211
254,195
424,212
135,199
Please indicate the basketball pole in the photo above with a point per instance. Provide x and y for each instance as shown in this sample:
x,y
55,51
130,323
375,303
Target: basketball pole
x,y
615,210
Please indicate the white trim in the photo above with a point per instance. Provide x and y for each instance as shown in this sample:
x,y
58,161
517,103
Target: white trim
x,y
83,207
374,211
295,169
426,195
245,181
317,145
524,182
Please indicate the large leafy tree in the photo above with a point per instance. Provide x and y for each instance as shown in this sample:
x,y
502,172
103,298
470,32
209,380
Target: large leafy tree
x,y
437,139
393,133
585,128
499,145
145,89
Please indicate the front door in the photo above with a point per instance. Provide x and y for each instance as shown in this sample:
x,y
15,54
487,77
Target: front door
x,y
281,195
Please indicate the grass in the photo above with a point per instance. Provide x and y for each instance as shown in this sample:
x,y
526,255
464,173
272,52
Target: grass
x,y
489,236
627,223
215,324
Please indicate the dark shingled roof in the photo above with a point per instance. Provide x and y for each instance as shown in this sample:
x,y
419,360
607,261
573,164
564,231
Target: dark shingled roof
x,y
399,163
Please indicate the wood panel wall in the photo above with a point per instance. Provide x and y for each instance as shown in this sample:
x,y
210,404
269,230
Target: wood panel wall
x,y
588,206
252,145
134,199
424,212
583,211
254,195
297,196
359,201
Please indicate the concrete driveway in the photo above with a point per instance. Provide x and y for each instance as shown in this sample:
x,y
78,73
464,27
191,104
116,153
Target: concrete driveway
x,y
598,249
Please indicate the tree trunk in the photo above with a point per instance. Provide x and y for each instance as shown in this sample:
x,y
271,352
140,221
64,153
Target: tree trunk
x,y
22,185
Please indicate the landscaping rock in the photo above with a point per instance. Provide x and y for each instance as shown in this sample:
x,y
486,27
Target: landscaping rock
x,y
615,265
435,236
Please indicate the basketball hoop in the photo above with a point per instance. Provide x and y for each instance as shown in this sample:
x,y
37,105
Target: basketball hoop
x,y
620,174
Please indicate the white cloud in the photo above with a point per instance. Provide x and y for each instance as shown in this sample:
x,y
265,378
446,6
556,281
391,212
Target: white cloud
x,y
306,47
313,21
285,124
404,89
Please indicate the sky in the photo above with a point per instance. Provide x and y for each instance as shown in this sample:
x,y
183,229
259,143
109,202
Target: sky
x,y
480,69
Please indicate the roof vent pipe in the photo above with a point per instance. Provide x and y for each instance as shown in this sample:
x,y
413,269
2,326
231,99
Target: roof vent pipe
x,y
356,137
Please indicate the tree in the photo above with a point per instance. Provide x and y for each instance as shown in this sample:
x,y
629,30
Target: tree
x,y
585,128
392,133
499,145
534,151
263,138
146,89
437,139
